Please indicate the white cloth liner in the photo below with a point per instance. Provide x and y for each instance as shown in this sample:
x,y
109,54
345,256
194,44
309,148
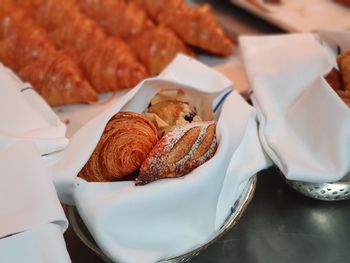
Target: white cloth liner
x,y
30,209
32,218
304,125
26,116
38,245
167,217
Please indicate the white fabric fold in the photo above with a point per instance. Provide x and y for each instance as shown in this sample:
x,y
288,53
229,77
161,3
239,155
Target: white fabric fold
x,y
25,115
31,216
304,125
27,195
170,216
41,244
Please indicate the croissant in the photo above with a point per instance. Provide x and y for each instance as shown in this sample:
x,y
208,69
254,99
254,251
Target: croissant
x,y
108,62
157,47
179,152
26,48
334,79
197,26
344,67
123,146
117,17
155,7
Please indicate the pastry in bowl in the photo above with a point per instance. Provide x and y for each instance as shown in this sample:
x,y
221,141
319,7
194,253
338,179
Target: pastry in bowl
x,y
123,146
169,109
179,152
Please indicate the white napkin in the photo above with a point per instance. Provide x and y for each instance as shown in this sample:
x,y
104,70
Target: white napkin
x,y
42,244
170,216
30,209
25,116
304,125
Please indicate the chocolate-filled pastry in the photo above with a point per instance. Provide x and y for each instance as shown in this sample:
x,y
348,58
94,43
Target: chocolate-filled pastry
x,y
123,146
179,152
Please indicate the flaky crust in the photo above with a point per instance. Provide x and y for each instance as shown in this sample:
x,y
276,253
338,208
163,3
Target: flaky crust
x,y
344,67
118,18
123,146
179,152
108,62
197,26
157,47
26,48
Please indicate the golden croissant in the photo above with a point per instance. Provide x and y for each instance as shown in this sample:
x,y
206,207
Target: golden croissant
x,y
26,48
123,146
155,46
108,62
118,18
179,151
197,26
344,67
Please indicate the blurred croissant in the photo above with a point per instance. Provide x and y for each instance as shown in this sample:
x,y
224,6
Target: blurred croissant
x,y
155,46
118,18
108,62
197,26
344,67
179,152
123,146
26,48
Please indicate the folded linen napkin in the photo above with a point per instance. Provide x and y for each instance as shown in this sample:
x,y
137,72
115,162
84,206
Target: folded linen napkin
x,y
31,216
38,245
304,125
170,216
26,116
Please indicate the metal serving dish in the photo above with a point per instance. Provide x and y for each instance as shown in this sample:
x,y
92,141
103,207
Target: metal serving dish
x,y
336,191
236,212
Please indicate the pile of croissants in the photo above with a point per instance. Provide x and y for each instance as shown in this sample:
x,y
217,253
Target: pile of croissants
x,y
72,50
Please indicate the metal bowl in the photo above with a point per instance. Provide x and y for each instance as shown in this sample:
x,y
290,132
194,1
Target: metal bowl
x,y
336,191
236,212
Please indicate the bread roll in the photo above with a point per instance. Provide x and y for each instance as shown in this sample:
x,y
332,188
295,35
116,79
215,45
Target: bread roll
x,y
179,152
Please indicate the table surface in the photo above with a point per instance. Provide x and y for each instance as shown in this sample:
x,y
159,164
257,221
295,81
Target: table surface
x,y
279,225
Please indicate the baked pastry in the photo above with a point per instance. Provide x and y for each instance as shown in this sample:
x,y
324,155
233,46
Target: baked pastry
x,y
179,152
173,113
344,67
107,62
344,95
118,18
169,108
344,2
26,48
157,47
123,146
197,26
334,79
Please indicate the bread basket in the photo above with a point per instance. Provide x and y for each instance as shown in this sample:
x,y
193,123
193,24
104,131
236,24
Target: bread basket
x,y
237,210
335,191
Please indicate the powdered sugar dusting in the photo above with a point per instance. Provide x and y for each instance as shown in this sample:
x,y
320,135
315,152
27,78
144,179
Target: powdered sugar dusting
x,y
155,166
